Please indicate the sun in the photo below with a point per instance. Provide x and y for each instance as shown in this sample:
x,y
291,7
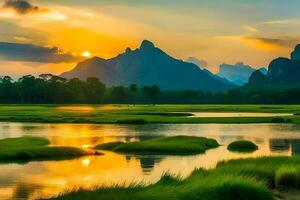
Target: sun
x,y
86,54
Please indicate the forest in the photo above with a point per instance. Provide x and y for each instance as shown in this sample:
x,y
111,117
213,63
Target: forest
x,y
51,89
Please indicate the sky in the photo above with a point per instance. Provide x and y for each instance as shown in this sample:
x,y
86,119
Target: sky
x,y
51,36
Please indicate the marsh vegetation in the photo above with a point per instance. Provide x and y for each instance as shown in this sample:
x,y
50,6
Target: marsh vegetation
x,y
177,145
36,148
253,178
242,146
150,114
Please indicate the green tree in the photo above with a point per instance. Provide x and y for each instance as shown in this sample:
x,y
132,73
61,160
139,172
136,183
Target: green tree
x,y
7,91
151,92
95,90
77,90
133,88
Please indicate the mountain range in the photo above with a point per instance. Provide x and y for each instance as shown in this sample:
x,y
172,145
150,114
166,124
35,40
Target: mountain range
x,y
239,73
283,73
149,65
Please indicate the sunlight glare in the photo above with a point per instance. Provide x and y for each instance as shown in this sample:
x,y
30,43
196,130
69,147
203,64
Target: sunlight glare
x,y
86,162
86,54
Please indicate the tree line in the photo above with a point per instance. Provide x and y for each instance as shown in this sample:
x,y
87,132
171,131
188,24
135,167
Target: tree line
x,y
51,89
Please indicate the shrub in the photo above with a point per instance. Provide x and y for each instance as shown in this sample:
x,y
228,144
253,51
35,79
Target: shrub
x,y
278,120
289,121
242,146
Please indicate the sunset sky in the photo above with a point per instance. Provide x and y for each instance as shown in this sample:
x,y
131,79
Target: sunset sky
x,y
56,34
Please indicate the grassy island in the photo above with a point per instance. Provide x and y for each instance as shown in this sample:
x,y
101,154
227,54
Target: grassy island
x,y
36,148
176,145
242,146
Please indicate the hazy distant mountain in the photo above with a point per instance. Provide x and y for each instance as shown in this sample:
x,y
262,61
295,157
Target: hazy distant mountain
x,y
283,73
203,65
148,65
200,63
239,73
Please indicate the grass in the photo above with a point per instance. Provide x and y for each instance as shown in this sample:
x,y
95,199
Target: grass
x,y
176,145
111,114
208,187
109,146
132,121
288,177
35,148
247,179
242,146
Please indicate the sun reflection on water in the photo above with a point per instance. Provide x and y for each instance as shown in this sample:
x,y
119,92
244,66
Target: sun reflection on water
x,y
86,162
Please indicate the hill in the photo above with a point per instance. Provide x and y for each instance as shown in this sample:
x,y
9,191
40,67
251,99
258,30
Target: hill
x,y
283,73
148,65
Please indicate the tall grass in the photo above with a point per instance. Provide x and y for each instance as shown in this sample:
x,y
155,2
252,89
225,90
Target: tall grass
x,y
242,179
287,177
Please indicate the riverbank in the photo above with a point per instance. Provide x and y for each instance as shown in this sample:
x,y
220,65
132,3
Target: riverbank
x,y
129,114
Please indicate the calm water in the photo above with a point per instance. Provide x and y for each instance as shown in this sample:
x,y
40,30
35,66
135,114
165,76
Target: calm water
x,y
238,114
44,179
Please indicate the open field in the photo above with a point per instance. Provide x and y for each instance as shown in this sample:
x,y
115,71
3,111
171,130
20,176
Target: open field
x,y
254,178
127,114
35,148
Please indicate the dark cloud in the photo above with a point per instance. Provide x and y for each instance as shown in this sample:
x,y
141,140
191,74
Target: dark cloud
x,y
10,31
23,6
282,42
34,53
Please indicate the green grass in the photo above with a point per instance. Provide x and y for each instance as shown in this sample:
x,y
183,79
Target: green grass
x,y
288,177
111,114
201,187
109,146
176,145
131,121
35,148
23,142
247,179
242,146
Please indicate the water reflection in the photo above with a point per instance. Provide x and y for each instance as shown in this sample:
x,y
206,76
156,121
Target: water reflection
x,y
291,145
44,179
147,162
238,114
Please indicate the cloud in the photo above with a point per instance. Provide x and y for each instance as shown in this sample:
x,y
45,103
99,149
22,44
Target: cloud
x,y
23,7
275,42
264,43
251,29
283,21
34,53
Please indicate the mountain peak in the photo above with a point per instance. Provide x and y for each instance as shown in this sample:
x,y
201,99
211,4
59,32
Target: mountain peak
x,y
149,65
146,44
295,55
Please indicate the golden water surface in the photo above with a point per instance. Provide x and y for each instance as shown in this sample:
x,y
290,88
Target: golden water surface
x,y
45,179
